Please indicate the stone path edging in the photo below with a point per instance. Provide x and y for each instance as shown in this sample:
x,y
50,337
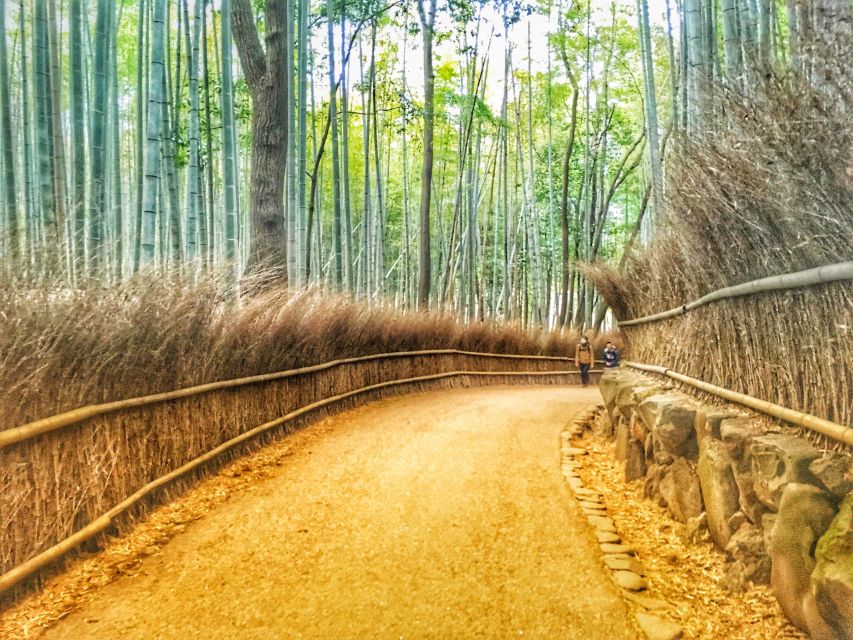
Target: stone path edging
x,y
625,569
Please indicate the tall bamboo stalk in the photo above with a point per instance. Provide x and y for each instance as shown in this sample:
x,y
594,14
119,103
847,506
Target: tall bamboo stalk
x,y
695,59
154,129
60,190
44,130
427,16
28,169
302,134
98,136
379,227
114,137
651,109
7,144
346,196
195,235
291,196
141,102
78,132
210,209
406,250
229,154
336,174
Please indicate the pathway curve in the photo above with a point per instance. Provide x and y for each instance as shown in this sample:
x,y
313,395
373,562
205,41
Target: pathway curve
x,y
434,515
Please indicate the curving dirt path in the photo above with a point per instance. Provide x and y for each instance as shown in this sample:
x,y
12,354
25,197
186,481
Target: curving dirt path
x,y
436,515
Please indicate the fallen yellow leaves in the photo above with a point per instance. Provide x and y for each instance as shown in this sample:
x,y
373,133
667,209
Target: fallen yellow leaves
x,y
123,555
688,576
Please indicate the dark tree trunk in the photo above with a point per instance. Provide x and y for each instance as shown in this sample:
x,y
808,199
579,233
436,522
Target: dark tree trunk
x,y
268,248
266,74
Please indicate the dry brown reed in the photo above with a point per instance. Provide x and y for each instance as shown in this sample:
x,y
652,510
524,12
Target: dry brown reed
x,y
766,189
63,348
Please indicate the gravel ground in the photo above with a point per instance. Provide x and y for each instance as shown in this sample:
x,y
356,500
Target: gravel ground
x,y
435,515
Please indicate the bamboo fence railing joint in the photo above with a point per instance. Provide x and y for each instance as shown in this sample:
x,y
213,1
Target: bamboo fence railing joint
x,y
819,425
807,278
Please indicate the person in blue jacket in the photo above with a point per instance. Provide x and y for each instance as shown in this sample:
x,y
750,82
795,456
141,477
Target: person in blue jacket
x,y
611,356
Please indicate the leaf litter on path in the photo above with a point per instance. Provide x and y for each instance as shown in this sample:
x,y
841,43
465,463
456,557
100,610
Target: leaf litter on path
x,y
688,575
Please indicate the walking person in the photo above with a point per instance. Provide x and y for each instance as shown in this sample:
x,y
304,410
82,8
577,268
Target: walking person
x,y
584,359
611,356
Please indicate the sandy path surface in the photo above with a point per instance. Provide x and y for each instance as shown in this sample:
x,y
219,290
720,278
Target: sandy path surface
x,y
436,515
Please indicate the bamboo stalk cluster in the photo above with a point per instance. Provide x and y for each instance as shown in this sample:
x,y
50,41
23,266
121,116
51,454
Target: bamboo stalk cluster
x,y
132,139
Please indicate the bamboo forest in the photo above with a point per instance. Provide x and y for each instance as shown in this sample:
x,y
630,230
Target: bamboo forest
x,y
462,156
426,319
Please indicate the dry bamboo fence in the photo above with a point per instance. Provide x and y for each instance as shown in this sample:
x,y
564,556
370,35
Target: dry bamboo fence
x,y
68,478
825,427
831,273
807,278
789,345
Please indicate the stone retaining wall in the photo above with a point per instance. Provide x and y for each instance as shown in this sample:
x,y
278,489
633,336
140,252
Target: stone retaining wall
x,y
780,509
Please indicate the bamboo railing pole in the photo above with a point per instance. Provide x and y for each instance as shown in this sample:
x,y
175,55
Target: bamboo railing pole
x,y
819,425
52,423
28,568
807,278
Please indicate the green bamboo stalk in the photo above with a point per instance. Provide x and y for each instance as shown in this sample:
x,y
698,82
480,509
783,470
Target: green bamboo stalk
x,y
169,176
291,197
78,135
229,158
427,17
117,213
7,144
60,188
193,196
28,172
154,127
98,136
651,109
695,60
302,135
346,195
141,102
208,132
44,130
336,174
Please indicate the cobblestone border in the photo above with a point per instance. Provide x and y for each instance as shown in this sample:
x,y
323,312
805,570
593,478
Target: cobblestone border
x,y
625,569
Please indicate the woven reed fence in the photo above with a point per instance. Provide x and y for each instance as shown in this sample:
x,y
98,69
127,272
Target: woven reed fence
x,y
785,338
808,278
60,475
841,272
